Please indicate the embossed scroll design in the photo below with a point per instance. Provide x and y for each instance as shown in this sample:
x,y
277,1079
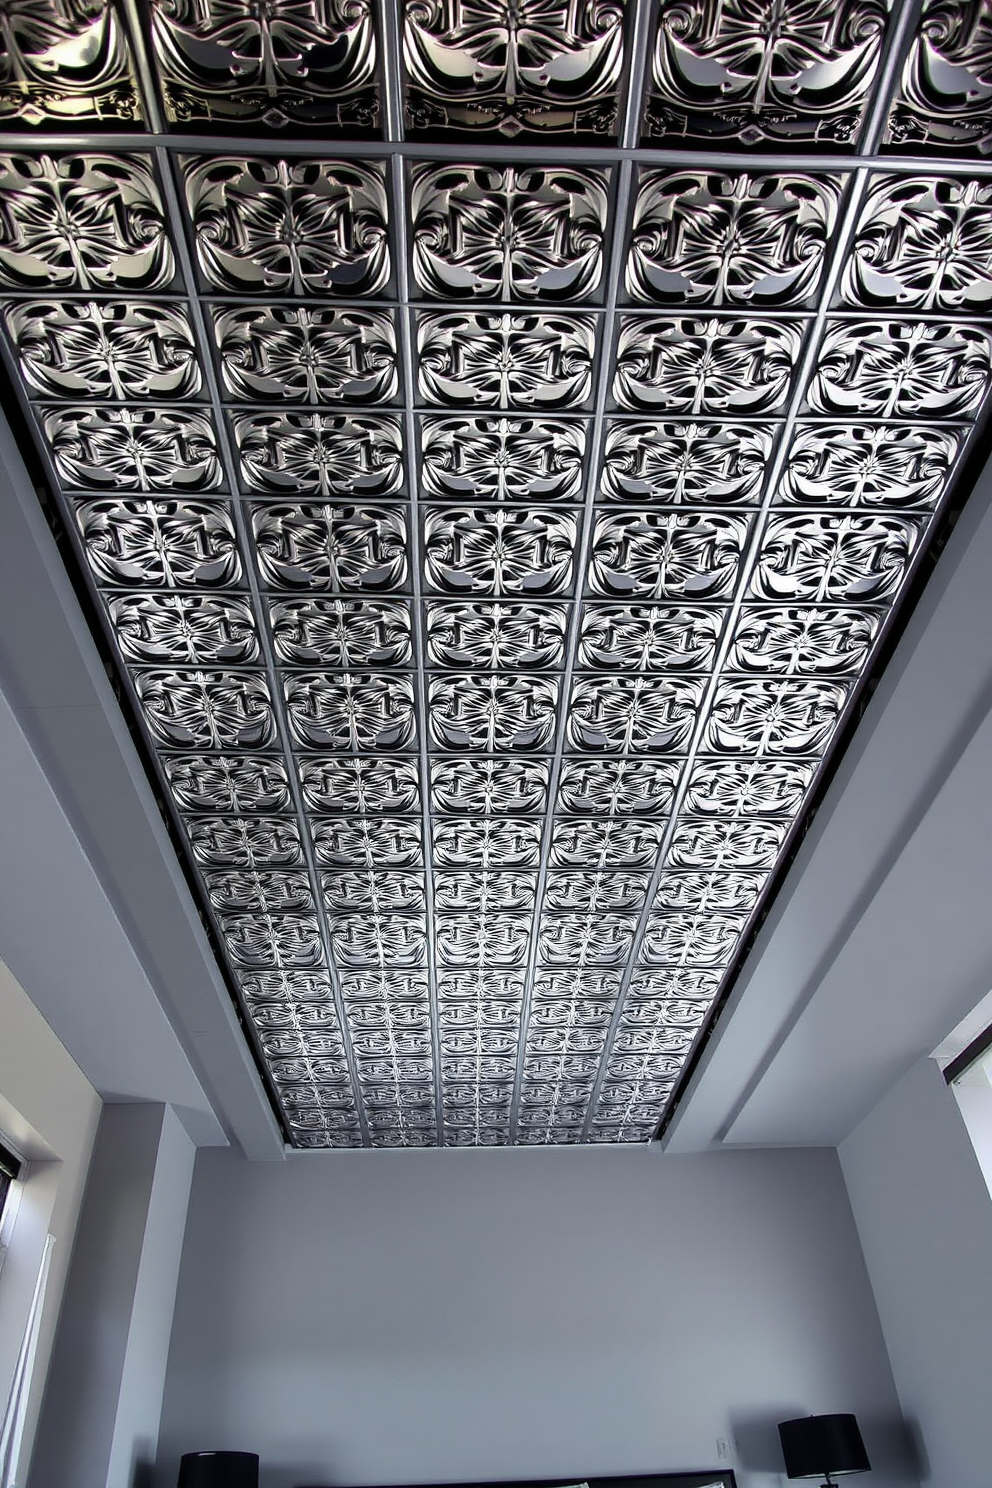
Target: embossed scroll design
x,y
295,354
495,541
65,62
693,367
549,67
110,350
137,449
284,63
320,454
923,243
684,464
528,234
506,361
708,239
785,71
944,102
289,227
502,459
82,222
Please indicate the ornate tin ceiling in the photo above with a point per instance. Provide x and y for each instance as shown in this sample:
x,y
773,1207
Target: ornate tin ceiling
x,y
496,434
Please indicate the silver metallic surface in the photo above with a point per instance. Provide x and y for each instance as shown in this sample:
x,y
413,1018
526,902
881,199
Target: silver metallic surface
x,y
496,461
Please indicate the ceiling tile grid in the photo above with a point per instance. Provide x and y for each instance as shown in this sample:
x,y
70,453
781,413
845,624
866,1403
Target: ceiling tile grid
x,y
497,438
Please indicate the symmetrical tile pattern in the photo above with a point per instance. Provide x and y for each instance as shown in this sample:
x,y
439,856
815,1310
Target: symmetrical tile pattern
x,y
493,516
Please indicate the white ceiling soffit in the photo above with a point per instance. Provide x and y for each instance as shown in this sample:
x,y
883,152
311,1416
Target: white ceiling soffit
x,y
880,941
96,921
495,440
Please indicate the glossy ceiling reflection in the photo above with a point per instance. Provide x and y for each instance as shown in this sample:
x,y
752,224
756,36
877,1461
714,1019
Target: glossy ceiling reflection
x,y
496,434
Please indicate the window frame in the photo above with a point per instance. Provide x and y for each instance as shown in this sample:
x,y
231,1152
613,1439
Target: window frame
x,y
10,1170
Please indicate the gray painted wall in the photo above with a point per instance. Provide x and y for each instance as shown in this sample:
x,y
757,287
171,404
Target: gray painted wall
x,y
925,1220
405,1317
49,1113
100,1416
139,1403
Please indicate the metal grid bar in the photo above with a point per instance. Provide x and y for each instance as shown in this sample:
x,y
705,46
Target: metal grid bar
x,y
420,646
595,437
806,366
691,157
271,666
518,323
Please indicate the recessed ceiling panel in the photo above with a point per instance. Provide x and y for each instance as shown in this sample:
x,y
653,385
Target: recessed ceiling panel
x,y
497,438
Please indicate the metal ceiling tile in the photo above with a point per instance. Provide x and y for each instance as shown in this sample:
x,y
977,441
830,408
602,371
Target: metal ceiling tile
x,y
311,63
942,102
799,73
530,234
481,68
719,366
83,221
114,349
135,449
493,539
748,241
66,64
923,243
289,227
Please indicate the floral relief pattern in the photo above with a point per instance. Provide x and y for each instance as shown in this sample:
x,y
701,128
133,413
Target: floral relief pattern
x,y
923,243
180,544
207,710
239,784
332,548
184,629
531,234
360,787
880,466
481,787
139,449
496,440
649,638
944,99
777,70
547,67
729,240
307,63
289,227
502,459
350,711
341,632
684,464
294,354
88,222
901,369
527,362
320,454
65,61
493,713
692,367
654,555
500,636
114,350
500,552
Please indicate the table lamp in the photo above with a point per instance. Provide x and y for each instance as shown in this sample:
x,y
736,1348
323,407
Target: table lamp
x,y
218,1470
823,1444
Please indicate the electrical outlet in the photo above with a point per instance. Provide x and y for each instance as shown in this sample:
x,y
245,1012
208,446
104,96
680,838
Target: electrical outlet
x,y
722,1449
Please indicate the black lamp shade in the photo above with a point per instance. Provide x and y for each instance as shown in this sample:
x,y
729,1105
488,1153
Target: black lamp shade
x,y
816,1445
218,1470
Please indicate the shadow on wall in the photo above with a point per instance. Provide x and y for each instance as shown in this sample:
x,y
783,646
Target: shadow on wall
x,y
305,1473
756,1439
893,1445
300,1475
